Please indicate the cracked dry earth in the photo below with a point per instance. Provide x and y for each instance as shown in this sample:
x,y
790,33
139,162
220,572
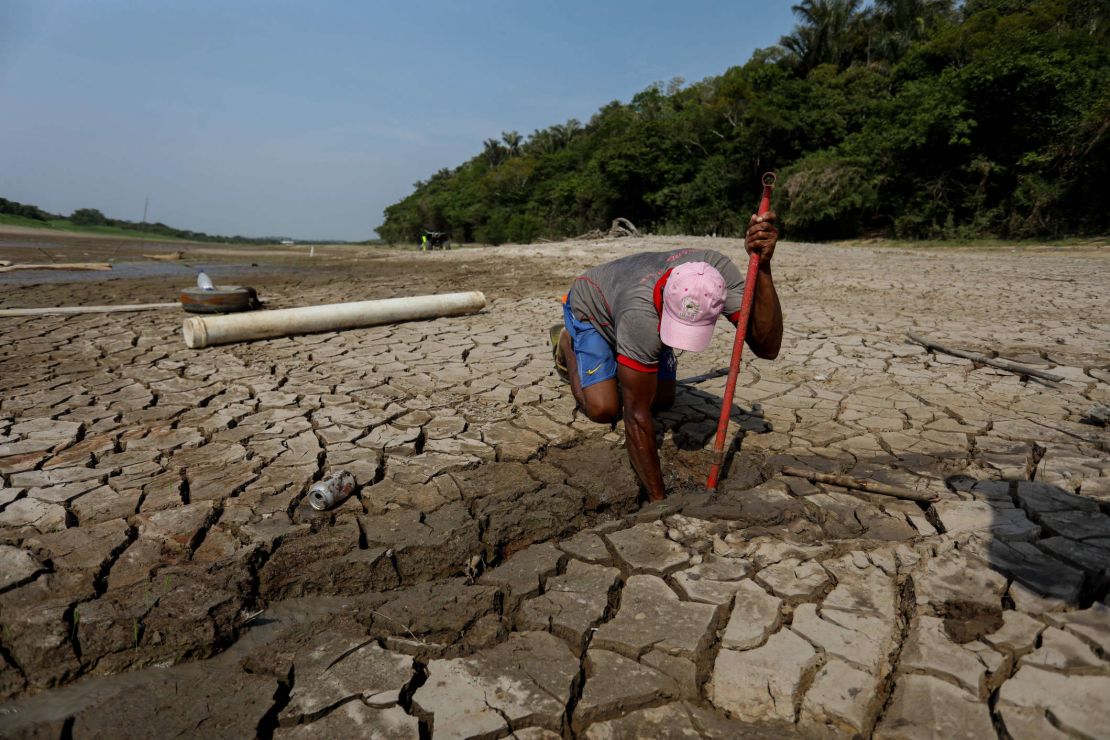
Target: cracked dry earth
x,y
496,575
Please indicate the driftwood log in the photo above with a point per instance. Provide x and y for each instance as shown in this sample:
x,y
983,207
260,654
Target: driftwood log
x,y
619,228
1006,365
622,227
859,484
59,266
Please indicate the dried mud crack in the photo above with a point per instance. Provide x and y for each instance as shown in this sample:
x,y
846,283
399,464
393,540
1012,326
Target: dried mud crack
x,y
496,573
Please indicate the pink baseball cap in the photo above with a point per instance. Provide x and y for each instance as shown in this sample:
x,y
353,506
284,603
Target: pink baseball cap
x,y
692,300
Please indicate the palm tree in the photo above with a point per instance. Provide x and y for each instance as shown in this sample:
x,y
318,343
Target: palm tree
x,y
512,140
541,141
559,135
493,152
828,32
901,22
802,43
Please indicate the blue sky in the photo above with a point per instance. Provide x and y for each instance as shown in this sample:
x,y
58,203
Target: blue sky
x,y
306,119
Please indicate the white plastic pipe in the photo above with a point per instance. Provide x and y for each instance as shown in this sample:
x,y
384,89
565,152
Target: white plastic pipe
x,y
206,331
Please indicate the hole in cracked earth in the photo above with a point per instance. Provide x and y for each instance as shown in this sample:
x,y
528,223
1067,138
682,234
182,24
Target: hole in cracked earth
x,y
686,471
967,621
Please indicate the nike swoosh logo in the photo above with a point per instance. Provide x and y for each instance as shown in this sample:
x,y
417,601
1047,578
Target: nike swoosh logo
x,y
591,372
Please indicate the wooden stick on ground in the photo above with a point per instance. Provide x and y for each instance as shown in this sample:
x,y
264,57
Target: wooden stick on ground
x,y
59,266
845,481
695,379
1006,365
121,308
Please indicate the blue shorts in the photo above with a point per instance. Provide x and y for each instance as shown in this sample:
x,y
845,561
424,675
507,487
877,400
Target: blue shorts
x,y
596,359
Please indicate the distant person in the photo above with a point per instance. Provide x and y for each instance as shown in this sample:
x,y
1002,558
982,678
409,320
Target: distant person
x,y
623,319
423,242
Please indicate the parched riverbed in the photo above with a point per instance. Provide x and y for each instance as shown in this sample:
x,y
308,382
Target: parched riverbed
x,y
497,573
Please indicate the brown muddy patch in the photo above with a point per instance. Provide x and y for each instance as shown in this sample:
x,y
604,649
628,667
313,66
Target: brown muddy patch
x,y
966,621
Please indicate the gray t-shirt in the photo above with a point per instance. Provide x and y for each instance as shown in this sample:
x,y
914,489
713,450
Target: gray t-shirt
x,y
618,298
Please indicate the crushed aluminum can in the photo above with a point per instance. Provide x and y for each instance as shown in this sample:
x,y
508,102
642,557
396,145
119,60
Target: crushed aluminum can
x,y
331,491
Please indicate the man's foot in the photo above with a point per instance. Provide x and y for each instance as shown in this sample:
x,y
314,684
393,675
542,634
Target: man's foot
x,y
557,355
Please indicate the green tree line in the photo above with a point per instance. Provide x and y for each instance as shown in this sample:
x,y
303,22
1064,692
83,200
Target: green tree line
x,y
91,217
907,118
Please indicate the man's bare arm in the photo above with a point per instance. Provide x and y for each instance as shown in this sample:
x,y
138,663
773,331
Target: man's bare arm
x,y
765,325
638,391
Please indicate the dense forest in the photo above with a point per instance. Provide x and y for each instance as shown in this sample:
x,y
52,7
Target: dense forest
x,y
91,219
905,118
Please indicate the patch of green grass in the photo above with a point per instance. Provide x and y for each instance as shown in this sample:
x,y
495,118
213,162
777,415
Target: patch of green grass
x,y
63,224
7,219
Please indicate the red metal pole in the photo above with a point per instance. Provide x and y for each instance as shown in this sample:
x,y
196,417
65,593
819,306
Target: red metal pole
x,y
738,346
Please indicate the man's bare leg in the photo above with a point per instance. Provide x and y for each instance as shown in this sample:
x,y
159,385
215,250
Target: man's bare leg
x,y
600,401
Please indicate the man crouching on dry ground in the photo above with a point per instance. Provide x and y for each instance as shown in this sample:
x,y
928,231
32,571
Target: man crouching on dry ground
x,y
622,320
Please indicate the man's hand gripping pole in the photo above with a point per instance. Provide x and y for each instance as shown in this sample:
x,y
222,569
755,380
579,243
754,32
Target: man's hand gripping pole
x,y
738,345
